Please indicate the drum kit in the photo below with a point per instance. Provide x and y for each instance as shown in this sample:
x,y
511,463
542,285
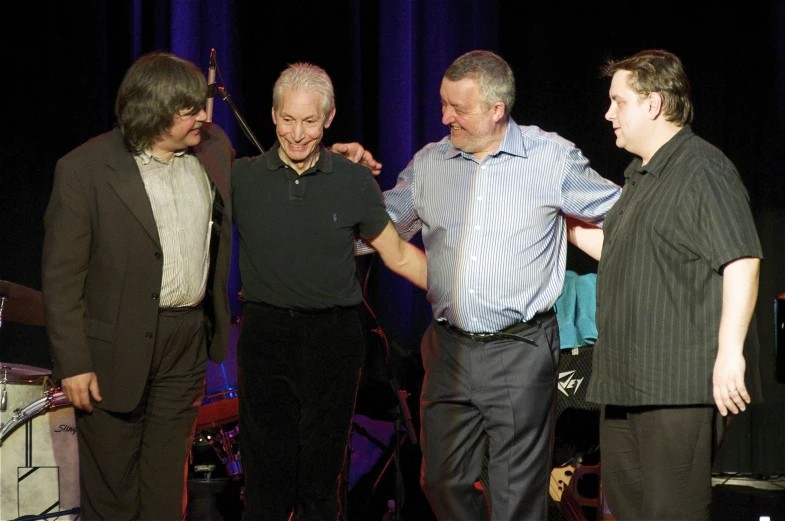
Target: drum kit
x,y
216,422
39,462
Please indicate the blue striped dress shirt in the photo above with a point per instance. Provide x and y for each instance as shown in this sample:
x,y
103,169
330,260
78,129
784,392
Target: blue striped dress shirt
x,y
494,230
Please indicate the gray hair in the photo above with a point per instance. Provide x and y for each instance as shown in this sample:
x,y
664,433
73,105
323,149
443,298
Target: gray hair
x,y
493,75
305,77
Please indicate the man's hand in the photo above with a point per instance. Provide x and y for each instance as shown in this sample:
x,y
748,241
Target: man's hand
x,y
730,393
355,153
80,388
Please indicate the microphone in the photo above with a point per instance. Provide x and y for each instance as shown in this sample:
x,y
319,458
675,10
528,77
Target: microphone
x,y
210,86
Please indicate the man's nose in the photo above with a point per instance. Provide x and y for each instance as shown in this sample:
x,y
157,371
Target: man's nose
x,y
448,116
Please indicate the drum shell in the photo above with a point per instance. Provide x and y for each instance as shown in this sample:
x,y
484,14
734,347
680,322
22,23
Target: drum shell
x,y
39,463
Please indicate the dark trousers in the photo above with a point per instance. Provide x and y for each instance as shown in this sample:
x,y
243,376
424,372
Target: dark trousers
x,y
133,465
298,376
501,392
656,462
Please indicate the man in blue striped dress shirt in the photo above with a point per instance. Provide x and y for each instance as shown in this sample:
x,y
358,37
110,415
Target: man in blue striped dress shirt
x,y
491,200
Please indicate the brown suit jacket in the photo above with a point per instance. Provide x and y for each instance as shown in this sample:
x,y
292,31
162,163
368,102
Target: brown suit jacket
x,y
103,263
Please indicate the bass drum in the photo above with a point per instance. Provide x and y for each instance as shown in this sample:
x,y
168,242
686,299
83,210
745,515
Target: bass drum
x,y
39,461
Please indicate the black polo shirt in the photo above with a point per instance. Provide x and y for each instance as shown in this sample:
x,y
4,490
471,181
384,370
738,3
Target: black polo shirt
x,y
296,232
678,221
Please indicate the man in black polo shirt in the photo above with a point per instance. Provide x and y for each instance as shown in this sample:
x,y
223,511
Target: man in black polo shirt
x,y
676,288
298,209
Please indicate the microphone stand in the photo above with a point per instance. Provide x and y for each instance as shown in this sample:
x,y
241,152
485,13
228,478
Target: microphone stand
x,y
402,421
243,125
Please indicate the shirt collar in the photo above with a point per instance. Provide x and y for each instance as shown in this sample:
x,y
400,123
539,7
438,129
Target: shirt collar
x,y
324,164
146,156
663,155
512,143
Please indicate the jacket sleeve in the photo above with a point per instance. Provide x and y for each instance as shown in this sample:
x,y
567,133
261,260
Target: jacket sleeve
x,y
66,251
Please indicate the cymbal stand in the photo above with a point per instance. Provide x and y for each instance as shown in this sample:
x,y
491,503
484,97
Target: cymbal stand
x,y
403,423
3,298
4,377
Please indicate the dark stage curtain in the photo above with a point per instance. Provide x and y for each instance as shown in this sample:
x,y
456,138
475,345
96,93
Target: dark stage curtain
x,y
386,57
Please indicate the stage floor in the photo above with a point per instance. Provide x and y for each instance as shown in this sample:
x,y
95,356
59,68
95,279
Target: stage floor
x,y
733,499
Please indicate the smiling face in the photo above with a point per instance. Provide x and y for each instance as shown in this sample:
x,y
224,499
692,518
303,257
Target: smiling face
x,y
629,114
183,133
474,129
299,125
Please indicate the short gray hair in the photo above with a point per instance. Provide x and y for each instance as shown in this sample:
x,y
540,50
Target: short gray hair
x,y
493,75
303,76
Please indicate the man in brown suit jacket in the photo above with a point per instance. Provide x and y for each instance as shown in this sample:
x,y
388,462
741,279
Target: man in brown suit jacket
x,y
135,268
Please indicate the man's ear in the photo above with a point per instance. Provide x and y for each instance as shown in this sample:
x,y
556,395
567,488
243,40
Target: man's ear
x,y
655,102
498,111
272,111
329,119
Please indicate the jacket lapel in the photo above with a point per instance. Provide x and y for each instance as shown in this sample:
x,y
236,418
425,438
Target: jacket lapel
x,y
127,182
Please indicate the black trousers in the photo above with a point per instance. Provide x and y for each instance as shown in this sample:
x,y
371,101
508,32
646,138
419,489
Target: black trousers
x,y
298,375
656,462
133,465
501,392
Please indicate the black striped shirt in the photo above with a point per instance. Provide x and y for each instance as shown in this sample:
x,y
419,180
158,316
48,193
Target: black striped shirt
x,y
659,283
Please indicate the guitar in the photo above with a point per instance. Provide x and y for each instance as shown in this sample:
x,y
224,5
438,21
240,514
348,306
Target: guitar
x,y
560,479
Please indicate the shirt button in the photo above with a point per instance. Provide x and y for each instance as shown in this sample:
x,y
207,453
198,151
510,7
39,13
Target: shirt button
x,y
157,255
474,258
471,291
476,227
297,182
482,167
154,296
148,335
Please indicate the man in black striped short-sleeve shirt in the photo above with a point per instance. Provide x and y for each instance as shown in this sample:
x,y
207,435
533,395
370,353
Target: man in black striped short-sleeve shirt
x,y
676,288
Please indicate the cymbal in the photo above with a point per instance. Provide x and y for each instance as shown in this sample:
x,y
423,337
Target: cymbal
x,y
20,371
23,305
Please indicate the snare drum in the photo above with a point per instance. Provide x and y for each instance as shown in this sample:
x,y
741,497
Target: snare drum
x,y
220,405
39,460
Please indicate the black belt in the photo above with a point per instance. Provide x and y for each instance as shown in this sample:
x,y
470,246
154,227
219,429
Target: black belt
x,y
294,311
514,331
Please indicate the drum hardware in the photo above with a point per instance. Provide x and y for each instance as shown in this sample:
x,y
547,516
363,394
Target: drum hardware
x,y
226,447
17,373
52,398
